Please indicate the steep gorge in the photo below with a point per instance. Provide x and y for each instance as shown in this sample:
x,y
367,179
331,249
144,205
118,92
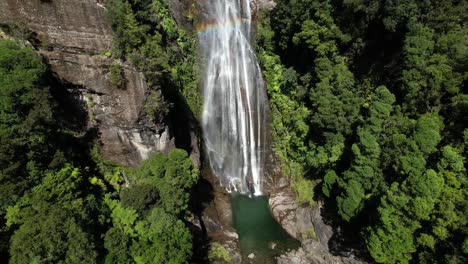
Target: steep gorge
x,y
73,37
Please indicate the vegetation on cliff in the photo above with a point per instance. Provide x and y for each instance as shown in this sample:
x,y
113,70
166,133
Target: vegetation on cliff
x,y
60,202
369,113
146,33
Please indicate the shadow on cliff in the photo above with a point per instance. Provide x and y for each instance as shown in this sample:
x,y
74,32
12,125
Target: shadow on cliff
x,y
201,196
182,120
72,136
186,131
346,240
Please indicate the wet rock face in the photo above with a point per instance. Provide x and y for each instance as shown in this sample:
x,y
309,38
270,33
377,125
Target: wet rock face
x,y
306,224
211,206
283,207
219,211
72,36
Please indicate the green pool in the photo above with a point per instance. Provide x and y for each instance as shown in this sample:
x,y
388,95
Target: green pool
x,y
258,232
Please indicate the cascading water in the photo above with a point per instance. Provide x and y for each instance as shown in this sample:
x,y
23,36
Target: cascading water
x,y
234,98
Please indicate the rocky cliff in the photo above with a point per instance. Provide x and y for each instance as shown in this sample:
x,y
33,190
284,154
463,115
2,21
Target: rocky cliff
x,y
73,37
306,224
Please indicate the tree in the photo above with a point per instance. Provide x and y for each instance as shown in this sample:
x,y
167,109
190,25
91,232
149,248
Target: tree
x,y
55,221
365,177
117,75
350,204
427,75
179,177
162,238
139,197
145,222
401,214
25,117
127,33
117,244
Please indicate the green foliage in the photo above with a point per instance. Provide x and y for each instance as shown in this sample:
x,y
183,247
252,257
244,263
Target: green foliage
x,y
290,131
123,218
351,200
55,221
169,25
365,177
117,243
156,106
146,220
401,212
25,117
310,234
146,32
59,196
162,238
158,237
219,252
111,172
367,98
172,177
127,34
304,189
117,75
428,74
332,106
139,197
338,107
329,180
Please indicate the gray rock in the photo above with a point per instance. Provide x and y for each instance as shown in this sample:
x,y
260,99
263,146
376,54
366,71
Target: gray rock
x,y
74,35
304,223
265,4
283,206
312,252
272,245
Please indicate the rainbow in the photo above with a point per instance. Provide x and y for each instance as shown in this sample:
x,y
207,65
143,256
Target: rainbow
x,y
210,27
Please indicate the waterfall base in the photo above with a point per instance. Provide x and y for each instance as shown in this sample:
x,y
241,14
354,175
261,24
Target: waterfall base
x,y
262,239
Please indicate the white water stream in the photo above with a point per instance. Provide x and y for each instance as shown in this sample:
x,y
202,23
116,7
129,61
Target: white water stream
x,y
233,119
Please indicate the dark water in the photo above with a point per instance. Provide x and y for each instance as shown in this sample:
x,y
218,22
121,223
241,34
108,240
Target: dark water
x,y
258,231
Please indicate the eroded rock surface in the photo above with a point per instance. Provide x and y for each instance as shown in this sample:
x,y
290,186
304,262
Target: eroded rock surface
x,y
213,209
283,207
73,38
306,224
265,4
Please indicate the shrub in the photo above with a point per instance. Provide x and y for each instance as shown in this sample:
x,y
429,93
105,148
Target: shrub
x,y
219,252
117,75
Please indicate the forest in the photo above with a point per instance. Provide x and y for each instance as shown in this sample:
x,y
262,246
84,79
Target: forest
x,y
370,114
60,201
370,108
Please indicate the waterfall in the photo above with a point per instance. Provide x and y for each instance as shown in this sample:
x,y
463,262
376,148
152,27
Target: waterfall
x,y
233,120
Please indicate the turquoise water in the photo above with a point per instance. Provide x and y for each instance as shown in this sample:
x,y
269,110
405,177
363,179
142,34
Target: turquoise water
x,y
258,231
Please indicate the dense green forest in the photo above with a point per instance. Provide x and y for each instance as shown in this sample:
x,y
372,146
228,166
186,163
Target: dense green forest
x,y
60,202
370,115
